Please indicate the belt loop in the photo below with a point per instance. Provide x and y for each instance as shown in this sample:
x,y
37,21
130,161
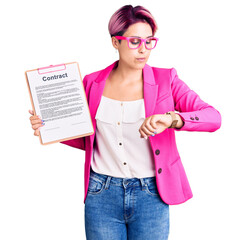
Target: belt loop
x,y
107,182
143,183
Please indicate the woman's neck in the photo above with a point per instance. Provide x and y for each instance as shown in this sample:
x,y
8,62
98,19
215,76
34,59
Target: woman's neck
x,y
127,75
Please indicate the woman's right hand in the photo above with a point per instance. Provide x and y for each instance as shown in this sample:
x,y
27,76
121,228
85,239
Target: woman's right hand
x,y
36,123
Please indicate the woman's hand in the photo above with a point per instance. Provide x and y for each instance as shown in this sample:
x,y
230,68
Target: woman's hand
x,y
155,124
36,123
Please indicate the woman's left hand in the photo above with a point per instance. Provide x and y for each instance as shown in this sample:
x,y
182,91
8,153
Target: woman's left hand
x,y
155,124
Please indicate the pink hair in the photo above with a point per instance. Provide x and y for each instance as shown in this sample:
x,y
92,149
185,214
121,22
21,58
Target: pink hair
x,y
128,15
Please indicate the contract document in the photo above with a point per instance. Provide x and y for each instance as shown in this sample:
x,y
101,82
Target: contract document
x,y
58,96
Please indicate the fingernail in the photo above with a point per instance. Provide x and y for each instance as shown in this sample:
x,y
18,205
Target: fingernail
x,y
155,132
145,138
153,135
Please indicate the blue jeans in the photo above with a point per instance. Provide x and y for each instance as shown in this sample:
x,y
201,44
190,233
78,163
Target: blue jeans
x,y
125,209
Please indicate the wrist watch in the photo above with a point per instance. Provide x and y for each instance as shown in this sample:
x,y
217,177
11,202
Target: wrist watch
x,y
174,120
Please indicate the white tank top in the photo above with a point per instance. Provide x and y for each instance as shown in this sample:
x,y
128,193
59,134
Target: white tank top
x,y
119,150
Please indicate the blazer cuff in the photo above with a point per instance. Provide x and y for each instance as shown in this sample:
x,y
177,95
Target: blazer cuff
x,y
206,120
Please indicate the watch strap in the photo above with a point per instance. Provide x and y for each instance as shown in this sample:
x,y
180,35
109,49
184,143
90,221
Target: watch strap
x,y
174,120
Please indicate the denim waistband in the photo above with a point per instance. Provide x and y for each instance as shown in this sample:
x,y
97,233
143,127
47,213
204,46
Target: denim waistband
x,y
122,181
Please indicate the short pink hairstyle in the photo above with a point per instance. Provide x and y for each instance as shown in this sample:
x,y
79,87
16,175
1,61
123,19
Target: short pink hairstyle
x,y
128,15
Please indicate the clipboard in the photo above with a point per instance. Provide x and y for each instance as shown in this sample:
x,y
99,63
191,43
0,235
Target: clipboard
x,y
57,95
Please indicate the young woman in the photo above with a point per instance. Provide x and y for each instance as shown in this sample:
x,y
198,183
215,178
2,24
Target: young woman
x,y
133,170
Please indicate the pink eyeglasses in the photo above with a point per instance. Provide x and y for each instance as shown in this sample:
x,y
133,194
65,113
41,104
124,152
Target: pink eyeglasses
x,y
135,42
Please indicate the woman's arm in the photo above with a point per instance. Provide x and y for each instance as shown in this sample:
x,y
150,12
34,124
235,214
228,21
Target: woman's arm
x,y
195,114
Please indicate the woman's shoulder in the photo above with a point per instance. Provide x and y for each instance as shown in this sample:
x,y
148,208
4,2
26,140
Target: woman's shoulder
x,y
161,73
164,73
93,75
162,69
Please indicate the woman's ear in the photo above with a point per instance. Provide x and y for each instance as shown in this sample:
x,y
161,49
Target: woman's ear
x,y
115,42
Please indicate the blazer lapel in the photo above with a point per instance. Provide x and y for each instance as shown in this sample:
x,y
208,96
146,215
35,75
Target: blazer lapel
x,y
96,91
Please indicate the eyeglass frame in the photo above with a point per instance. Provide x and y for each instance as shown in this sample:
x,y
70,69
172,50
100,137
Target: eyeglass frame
x,y
141,39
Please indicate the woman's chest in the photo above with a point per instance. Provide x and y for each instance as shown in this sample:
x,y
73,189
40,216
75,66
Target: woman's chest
x,y
123,92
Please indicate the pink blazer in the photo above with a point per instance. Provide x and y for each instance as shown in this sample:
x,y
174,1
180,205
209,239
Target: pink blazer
x,y
163,92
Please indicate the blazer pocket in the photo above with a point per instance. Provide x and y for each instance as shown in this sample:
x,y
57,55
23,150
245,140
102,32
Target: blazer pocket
x,y
175,161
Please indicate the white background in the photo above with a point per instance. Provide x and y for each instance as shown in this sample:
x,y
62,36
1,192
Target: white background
x,y
42,187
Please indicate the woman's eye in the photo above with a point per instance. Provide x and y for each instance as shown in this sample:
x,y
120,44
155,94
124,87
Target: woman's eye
x,y
149,41
135,41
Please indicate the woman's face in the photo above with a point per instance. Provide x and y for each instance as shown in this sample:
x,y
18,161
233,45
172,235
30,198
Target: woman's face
x,y
129,56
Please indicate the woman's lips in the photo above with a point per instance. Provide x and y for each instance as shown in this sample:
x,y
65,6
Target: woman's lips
x,y
141,59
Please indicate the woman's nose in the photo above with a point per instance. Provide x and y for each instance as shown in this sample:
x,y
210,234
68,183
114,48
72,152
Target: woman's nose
x,y
142,47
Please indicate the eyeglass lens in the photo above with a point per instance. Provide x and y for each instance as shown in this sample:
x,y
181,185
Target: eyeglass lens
x,y
135,42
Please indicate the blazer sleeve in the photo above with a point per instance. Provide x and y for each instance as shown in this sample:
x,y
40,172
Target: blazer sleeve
x,y
78,142
196,114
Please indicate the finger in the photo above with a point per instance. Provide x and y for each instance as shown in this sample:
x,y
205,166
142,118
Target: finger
x,y
36,121
37,132
152,124
36,126
148,129
31,112
143,135
144,131
35,117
